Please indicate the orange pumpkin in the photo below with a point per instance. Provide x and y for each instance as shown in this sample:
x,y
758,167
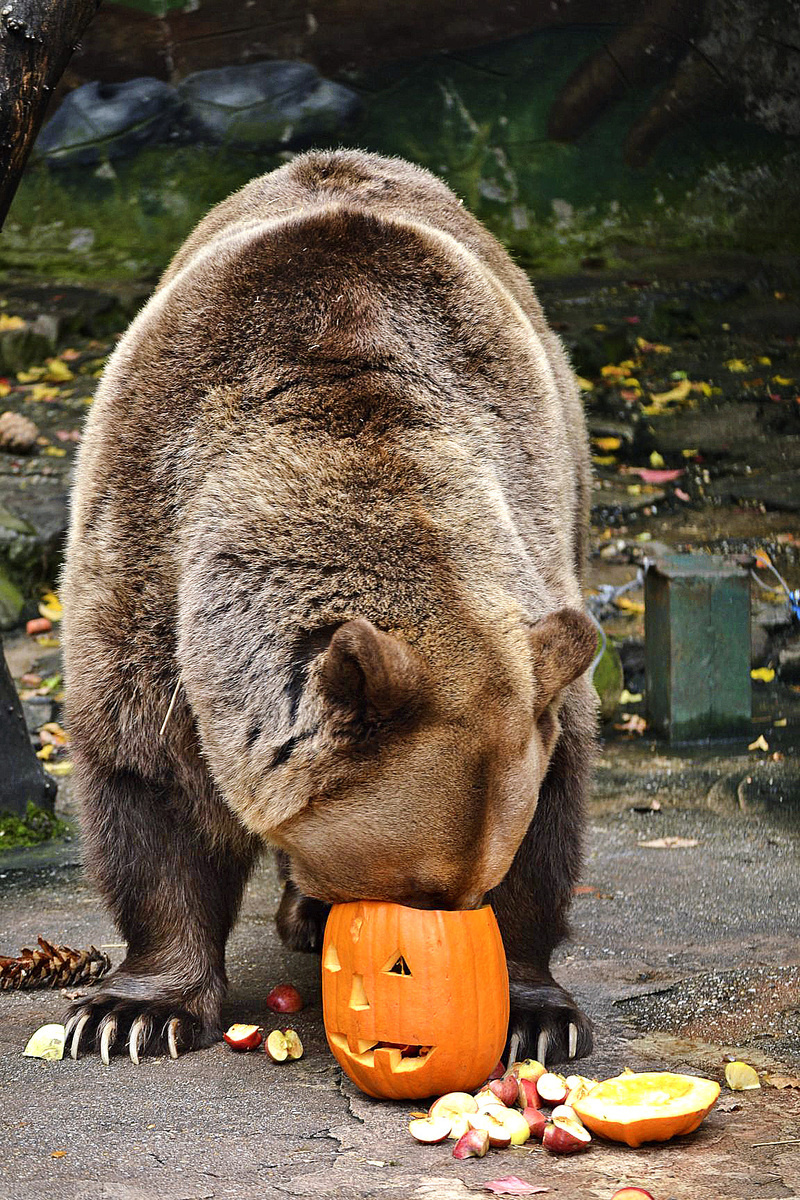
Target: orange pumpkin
x,y
415,1001
653,1106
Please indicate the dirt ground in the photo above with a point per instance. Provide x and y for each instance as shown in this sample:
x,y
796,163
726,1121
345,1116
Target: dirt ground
x,y
685,948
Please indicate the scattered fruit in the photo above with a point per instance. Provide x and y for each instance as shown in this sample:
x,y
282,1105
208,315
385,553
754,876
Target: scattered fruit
x,y
282,1044
285,999
473,1144
537,1122
565,1136
741,1077
243,1037
505,1090
499,1136
564,1110
486,1098
47,1042
632,1193
528,1068
653,1106
429,1130
499,1071
528,1094
453,1104
513,1121
552,1088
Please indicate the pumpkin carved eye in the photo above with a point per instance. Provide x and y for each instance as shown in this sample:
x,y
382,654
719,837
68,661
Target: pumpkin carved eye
x,y
358,997
397,965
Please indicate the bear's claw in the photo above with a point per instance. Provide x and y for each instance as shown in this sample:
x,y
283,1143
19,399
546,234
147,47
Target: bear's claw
x,y
109,1024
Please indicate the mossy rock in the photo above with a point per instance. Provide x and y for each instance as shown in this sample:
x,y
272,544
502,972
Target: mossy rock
x,y
12,602
608,681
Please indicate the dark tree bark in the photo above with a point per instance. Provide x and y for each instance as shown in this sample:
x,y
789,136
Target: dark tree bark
x,y
37,38
22,778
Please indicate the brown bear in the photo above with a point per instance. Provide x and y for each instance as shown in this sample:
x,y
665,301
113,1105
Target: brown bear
x,y
329,517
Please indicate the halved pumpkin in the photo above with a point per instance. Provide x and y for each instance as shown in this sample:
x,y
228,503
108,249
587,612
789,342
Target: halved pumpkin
x,y
653,1106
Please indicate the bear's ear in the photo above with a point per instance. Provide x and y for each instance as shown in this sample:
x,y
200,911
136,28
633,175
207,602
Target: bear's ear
x,y
370,673
563,645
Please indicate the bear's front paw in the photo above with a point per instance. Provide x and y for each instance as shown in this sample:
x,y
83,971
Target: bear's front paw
x,y
545,1022
301,920
113,1025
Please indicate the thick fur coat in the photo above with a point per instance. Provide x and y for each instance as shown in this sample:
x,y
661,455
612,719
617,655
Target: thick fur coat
x,y
332,498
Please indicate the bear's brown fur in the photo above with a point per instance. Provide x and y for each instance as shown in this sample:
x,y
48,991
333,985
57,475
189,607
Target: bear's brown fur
x,y
332,499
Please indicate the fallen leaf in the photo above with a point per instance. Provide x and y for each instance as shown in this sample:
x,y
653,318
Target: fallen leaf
x,y
58,371
607,443
629,606
8,322
741,1077
781,379
670,843
54,451
705,389
782,1081
763,361
760,743
46,752
692,453
58,1154
512,1185
656,460
780,723
632,723
648,475
59,768
679,392
584,384
763,674
43,391
50,606
603,460
652,347
626,697
736,365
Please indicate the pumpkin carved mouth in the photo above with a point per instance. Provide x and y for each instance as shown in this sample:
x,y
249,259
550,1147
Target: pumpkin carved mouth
x,y
398,1056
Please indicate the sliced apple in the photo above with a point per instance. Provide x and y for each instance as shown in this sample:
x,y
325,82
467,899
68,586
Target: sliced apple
x,y
486,1098
243,1037
537,1122
282,1044
506,1090
564,1110
552,1088
565,1137
513,1120
527,1068
472,1144
741,1077
452,1105
528,1094
429,1130
460,1124
499,1135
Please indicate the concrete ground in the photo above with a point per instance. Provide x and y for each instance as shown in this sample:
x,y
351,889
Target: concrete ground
x,y
682,955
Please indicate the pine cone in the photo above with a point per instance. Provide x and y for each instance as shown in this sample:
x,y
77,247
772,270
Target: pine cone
x,y
52,966
17,432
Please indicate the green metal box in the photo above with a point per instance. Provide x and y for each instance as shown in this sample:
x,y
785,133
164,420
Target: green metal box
x,y
697,647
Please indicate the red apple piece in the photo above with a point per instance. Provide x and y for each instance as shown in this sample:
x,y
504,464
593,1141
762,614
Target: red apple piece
x,y
487,1099
537,1122
285,999
565,1137
527,1068
528,1094
243,1037
552,1088
429,1130
513,1121
472,1144
499,1135
506,1090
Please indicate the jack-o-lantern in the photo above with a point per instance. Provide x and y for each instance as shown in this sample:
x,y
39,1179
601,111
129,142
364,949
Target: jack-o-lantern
x,y
415,1001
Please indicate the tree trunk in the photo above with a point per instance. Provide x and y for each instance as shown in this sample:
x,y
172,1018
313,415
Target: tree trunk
x,y
22,778
37,38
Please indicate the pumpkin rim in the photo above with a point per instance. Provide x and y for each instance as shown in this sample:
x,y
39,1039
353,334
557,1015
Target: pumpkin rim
x,y
618,1121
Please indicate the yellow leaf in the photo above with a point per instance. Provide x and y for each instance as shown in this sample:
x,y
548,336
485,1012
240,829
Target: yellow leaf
x,y
656,460
632,383
600,328
50,606
58,371
628,605
690,453
610,371
627,697
607,443
760,743
634,489
45,752
31,375
47,642
736,365
41,391
704,388
58,768
584,384
763,361
603,460
58,1154
4,388
679,392
782,380
780,723
54,451
7,322
764,674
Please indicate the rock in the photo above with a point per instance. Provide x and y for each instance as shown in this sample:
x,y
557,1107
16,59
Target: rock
x,y
267,104
608,681
12,602
789,663
17,433
100,121
33,341
31,548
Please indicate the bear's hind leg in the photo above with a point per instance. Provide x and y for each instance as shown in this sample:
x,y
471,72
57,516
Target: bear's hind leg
x,y
174,893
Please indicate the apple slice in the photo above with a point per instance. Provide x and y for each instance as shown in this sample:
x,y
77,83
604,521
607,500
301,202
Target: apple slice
x,y
527,1068
499,1136
452,1105
282,1044
506,1090
513,1120
632,1193
429,1130
285,999
537,1122
243,1037
565,1137
472,1144
552,1088
528,1094
564,1110
486,1098
460,1124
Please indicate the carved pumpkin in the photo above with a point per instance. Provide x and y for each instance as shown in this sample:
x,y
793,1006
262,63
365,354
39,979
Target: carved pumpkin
x,y
415,1001
650,1107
